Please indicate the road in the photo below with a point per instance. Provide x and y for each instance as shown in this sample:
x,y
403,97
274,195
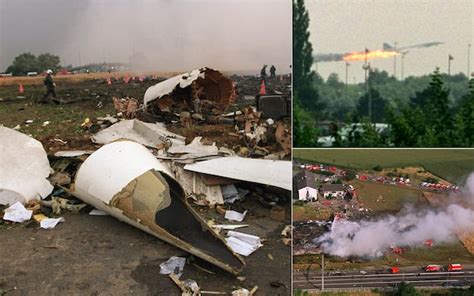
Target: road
x,y
350,280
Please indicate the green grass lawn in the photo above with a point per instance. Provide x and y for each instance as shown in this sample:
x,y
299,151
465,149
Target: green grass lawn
x,y
451,164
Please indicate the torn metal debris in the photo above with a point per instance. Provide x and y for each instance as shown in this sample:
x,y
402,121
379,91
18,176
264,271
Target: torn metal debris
x,y
262,171
125,180
24,168
154,135
202,91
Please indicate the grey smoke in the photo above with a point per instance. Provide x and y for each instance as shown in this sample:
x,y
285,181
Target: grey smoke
x,y
169,35
370,238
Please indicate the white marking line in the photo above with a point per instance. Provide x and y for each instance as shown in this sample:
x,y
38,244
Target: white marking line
x,y
370,283
387,274
394,277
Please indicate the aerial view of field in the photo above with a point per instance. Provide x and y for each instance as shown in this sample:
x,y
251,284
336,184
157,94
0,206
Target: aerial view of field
x,y
450,164
403,212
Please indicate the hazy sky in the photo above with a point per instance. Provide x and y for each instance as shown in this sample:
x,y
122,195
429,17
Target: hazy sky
x,y
340,26
171,34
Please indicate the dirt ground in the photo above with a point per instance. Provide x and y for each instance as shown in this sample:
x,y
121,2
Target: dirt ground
x,y
98,255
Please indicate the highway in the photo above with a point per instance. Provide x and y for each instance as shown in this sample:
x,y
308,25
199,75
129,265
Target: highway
x,y
350,280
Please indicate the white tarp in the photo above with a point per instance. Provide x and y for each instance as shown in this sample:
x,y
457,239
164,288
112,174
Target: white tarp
x,y
24,167
166,87
262,171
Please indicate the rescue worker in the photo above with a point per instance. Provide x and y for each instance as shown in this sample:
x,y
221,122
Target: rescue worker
x,y
272,71
50,85
263,72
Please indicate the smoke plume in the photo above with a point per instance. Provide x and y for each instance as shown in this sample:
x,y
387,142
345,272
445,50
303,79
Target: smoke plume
x,y
370,238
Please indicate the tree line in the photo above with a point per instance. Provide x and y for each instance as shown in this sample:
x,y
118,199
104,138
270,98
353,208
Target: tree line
x,y
28,62
435,110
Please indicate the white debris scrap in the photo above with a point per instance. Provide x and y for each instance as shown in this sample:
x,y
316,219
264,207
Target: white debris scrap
x,y
231,194
262,171
50,222
148,134
96,212
166,87
72,153
195,149
228,226
235,216
173,265
17,213
242,243
24,167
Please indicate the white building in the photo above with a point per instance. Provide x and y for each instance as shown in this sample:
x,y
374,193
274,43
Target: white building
x,y
333,190
306,186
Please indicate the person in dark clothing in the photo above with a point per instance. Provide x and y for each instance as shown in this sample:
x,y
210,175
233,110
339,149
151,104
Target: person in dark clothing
x,y
263,72
50,85
272,71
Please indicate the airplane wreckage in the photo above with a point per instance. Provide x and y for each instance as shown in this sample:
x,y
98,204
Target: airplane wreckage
x,y
143,174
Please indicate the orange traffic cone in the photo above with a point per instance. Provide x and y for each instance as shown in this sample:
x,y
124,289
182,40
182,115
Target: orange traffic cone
x,y
262,88
21,89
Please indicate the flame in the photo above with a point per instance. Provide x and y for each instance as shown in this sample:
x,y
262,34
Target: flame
x,y
376,54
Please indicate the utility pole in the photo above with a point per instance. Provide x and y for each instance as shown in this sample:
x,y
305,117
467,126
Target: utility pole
x,y
322,273
403,61
367,90
468,74
395,62
347,72
366,67
450,58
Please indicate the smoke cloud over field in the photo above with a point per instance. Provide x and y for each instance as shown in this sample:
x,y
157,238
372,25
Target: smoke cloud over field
x,y
369,238
159,35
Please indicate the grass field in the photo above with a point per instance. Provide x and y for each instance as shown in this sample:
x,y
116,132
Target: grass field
x,y
38,80
307,212
451,164
382,198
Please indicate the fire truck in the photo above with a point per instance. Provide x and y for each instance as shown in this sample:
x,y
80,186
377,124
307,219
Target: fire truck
x,y
394,270
432,267
454,267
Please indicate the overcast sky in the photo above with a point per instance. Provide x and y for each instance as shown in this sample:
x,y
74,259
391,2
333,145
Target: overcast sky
x,y
340,26
171,34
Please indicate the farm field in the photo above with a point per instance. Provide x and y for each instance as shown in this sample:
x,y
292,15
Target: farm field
x,y
453,165
382,198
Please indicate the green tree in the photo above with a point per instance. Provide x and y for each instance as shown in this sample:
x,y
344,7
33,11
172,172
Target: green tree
x,y
427,121
405,289
48,61
305,133
464,120
28,62
304,93
379,105
302,47
22,64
